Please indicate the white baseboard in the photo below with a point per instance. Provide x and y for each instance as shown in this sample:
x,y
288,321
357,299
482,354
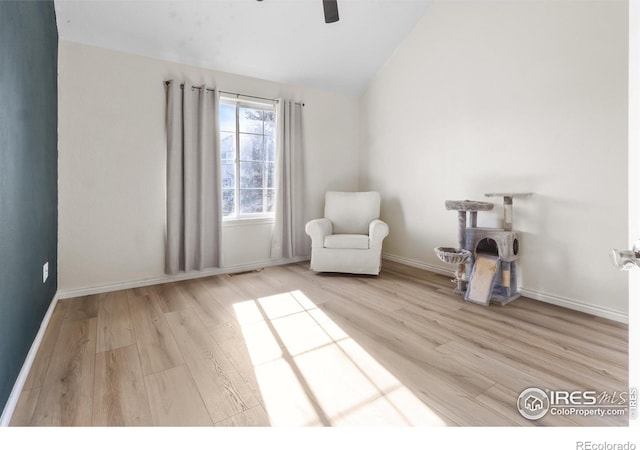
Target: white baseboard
x,y
576,305
72,293
14,397
536,295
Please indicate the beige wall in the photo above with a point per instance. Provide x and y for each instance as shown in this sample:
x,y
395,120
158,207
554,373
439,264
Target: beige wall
x,y
517,97
112,163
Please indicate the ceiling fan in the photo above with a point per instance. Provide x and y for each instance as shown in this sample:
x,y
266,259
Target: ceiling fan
x,y
330,10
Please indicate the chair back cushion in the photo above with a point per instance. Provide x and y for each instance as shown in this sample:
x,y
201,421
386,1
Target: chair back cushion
x,y
351,212
350,241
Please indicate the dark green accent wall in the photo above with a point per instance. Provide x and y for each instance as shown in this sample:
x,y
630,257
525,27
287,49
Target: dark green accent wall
x,y
28,177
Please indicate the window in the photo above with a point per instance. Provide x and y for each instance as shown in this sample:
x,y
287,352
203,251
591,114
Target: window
x,y
247,140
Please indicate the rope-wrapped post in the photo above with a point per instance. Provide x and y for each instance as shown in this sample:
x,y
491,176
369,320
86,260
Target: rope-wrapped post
x,y
507,198
462,226
508,213
462,231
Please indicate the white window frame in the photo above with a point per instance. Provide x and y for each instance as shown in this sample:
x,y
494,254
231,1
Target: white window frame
x,y
262,217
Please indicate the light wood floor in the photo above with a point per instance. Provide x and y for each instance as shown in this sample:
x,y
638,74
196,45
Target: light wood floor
x,y
285,346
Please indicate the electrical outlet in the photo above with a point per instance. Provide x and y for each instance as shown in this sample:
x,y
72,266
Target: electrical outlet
x,y
45,271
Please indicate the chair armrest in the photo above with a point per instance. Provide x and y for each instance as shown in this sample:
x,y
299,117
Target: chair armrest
x,y
378,230
318,229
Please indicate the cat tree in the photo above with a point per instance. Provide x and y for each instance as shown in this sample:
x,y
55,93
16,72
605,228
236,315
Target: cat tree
x,y
486,258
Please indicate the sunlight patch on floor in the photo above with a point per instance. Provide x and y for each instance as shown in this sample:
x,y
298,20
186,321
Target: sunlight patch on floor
x,y
312,373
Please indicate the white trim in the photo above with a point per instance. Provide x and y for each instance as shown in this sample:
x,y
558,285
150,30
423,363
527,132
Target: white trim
x,y
14,397
535,295
71,293
246,220
249,101
599,311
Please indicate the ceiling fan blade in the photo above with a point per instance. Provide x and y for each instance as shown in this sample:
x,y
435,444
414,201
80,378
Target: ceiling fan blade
x,y
330,11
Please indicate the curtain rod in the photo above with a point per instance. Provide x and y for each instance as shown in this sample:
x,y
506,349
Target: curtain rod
x,y
235,93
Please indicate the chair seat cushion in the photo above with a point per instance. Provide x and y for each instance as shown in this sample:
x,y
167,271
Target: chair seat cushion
x,y
357,241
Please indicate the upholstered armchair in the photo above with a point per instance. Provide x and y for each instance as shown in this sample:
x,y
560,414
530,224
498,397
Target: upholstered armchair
x,y
349,237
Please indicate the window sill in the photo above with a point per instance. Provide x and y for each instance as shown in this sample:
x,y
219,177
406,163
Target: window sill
x,y
235,222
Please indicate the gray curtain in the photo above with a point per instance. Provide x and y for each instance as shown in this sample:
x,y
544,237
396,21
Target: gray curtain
x,y
194,214
289,239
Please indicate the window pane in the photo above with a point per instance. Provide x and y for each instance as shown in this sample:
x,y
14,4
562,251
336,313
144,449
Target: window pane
x,y
251,148
269,123
270,148
251,174
227,117
271,200
271,174
251,201
250,156
228,175
251,120
228,202
227,146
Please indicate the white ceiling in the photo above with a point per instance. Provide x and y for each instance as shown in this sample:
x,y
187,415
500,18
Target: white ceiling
x,y
280,40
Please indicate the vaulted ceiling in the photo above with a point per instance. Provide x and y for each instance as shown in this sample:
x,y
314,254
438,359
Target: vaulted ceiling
x,y
280,40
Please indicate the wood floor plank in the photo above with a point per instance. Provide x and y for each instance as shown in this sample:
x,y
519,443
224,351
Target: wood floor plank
x,y
226,331
467,322
411,347
224,291
203,303
587,321
411,291
433,281
431,390
231,340
224,391
497,369
119,397
303,281
114,322
613,353
344,392
449,326
568,353
25,408
41,362
602,380
254,417
82,308
174,399
550,377
168,297
546,323
66,398
510,381
190,334
157,347
254,285
350,287
380,324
